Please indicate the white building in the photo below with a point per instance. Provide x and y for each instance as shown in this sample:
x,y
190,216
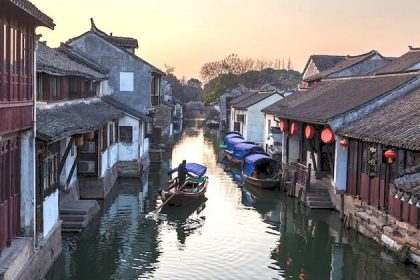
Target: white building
x,y
247,117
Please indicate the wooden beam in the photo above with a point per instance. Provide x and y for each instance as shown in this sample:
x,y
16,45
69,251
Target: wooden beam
x,y
72,170
64,158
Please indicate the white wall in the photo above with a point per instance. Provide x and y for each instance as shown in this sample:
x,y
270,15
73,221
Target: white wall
x,y
340,168
27,182
130,151
50,212
69,162
294,147
146,145
108,158
255,119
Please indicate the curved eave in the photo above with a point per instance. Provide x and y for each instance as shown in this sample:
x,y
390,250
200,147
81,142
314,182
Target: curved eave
x,y
30,9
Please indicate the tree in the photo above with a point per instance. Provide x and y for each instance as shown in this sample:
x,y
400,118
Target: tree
x,y
194,83
289,64
169,69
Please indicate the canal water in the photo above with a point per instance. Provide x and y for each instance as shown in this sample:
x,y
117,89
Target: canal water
x,y
237,233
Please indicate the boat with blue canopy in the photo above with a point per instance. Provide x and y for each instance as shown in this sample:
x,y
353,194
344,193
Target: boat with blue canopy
x,y
192,190
261,171
230,135
240,150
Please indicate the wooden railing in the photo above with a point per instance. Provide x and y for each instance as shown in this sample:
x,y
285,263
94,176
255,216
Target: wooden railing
x,y
303,175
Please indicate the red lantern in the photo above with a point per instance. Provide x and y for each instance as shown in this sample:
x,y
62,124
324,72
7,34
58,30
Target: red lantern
x,y
309,131
283,126
327,136
390,155
294,128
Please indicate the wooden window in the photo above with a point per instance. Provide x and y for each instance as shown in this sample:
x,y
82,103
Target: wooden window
x,y
55,88
416,158
155,99
6,65
9,190
240,118
50,172
237,127
111,134
117,131
126,134
74,87
39,88
104,137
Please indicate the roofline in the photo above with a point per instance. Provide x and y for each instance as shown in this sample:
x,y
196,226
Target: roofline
x,y
325,121
233,106
98,32
379,141
372,52
58,72
68,50
127,110
33,11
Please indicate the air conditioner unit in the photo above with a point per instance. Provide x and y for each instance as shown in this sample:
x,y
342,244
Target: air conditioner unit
x,y
86,166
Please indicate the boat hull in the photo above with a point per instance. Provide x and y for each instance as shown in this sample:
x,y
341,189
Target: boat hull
x,y
231,160
184,196
261,183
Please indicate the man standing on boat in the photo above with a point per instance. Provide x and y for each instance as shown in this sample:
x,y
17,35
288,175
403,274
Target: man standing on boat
x,y
182,173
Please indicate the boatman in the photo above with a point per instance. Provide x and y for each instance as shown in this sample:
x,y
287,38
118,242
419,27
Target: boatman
x,y
182,173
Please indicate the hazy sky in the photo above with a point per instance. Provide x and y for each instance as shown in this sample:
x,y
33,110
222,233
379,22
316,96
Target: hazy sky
x,y
187,33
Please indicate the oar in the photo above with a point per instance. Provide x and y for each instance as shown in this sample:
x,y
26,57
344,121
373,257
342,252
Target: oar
x,y
166,201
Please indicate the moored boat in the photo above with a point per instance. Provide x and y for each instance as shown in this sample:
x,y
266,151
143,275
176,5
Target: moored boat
x,y
240,150
261,171
193,190
230,135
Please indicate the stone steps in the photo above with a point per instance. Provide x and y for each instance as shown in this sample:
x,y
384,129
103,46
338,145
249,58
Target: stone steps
x,y
319,198
75,224
73,217
76,214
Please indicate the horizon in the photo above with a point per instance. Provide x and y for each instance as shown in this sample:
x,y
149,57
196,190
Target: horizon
x,y
225,27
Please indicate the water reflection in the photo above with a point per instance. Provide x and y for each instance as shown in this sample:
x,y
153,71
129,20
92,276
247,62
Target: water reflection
x,y
240,232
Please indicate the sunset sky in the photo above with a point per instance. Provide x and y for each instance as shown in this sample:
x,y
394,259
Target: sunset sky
x,y
187,33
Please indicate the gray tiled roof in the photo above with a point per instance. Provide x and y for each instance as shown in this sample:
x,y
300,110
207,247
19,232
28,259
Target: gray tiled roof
x,y
58,62
115,43
125,42
345,63
33,11
331,98
324,62
123,107
62,121
396,124
401,63
252,99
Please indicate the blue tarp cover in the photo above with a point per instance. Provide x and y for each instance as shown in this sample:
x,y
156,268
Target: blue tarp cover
x,y
252,160
233,133
241,149
230,142
193,168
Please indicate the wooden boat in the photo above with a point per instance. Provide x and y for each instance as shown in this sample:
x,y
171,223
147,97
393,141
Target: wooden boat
x,y
261,171
193,190
230,135
240,150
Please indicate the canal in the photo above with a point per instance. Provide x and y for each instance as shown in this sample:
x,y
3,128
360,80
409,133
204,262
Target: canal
x,y
237,233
